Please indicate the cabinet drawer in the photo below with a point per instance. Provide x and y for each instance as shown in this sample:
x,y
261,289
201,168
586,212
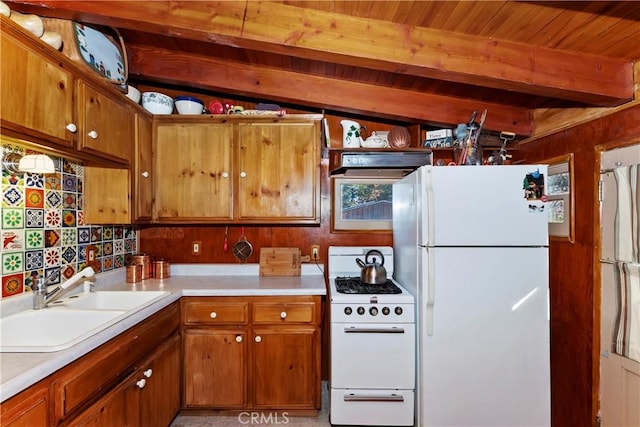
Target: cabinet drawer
x,y
278,313
215,311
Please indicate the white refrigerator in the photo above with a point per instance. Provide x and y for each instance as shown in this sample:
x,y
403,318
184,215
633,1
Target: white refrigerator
x,y
471,244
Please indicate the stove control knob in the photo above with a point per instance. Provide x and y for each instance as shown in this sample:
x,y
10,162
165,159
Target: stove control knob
x,y
373,311
361,310
398,311
385,311
348,311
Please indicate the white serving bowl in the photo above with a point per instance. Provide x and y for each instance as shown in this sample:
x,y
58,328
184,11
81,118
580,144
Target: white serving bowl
x,y
189,105
133,94
157,103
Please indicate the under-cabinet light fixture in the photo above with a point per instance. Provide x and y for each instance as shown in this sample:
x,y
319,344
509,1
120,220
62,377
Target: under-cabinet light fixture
x,y
33,163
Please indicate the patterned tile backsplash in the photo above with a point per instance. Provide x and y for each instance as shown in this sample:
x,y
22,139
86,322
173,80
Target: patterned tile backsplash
x,y
43,231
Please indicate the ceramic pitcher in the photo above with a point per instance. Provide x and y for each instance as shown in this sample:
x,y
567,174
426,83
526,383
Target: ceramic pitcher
x,y
351,136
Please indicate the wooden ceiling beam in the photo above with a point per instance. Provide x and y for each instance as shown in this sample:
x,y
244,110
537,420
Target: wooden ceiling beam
x,y
330,37
319,92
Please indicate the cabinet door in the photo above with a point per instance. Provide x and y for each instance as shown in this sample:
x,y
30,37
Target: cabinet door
x,y
27,409
106,125
107,196
285,367
119,407
37,94
142,170
193,172
160,397
215,368
279,172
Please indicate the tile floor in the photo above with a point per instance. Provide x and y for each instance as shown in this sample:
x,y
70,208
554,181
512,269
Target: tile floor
x,y
322,420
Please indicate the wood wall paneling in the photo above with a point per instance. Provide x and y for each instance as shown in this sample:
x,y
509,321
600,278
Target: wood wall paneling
x,y
574,278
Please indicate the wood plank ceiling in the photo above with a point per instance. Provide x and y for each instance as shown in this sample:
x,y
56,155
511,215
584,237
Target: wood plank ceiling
x,y
428,62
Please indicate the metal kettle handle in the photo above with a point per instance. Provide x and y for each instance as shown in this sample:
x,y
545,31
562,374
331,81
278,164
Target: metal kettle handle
x,y
374,251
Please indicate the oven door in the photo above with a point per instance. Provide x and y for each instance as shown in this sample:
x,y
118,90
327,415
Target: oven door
x,y
373,355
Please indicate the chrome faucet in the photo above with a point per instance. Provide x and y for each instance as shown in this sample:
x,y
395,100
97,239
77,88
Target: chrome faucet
x,y
42,298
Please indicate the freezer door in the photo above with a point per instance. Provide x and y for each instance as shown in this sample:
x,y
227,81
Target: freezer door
x,y
483,337
484,206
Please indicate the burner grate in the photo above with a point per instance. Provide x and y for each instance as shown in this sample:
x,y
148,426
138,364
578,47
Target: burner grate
x,y
353,285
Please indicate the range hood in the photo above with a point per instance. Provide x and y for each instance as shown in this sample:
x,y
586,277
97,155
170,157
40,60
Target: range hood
x,y
378,163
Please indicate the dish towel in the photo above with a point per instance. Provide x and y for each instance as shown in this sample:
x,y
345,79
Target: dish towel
x,y
626,333
626,328
626,229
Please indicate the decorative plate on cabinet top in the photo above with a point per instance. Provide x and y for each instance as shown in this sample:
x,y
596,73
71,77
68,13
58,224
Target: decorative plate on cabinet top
x,y
399,137
101,53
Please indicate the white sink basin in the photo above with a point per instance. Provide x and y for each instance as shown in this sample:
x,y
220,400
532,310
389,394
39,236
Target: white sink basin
x,y
70,320
52,329
111,300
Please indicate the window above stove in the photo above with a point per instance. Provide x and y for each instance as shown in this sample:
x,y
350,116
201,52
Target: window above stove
x,y
361,204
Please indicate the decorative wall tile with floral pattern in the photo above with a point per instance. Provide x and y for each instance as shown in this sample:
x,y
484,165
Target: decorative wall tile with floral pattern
x,y
43,232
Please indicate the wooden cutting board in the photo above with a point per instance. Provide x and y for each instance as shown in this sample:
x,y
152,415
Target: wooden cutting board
x,y
279,261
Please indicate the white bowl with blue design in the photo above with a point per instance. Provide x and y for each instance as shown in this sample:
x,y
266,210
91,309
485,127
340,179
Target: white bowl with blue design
x,y
189,105
157,103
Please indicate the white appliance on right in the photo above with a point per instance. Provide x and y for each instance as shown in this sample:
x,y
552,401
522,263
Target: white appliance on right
x,y
471,244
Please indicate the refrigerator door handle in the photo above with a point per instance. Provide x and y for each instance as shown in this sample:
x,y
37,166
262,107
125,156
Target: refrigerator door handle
x,y
431,291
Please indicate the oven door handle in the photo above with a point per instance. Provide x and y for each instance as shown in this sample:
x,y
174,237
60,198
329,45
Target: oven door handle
x,y
373,398
364,330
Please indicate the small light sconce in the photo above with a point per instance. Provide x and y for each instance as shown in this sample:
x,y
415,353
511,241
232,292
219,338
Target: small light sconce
x,y
33,163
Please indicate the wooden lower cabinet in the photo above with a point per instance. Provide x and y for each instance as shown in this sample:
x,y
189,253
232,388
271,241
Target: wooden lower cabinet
x,y
27,409
160,397
148,397
251,352
132,380
117,408
284,369
215,368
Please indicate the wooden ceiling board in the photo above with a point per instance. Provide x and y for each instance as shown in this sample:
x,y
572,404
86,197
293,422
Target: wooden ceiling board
x,y
522,24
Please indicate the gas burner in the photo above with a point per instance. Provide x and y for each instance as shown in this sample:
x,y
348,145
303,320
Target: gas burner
x,y
353,285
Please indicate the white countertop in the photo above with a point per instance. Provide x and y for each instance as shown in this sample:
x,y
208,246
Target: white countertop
x,y
21,370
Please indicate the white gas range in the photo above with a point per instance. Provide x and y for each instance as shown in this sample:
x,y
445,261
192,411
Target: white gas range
x,y
372,376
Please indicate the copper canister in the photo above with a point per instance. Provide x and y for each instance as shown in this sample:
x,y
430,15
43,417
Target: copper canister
x,y
161,269
144,261
134,273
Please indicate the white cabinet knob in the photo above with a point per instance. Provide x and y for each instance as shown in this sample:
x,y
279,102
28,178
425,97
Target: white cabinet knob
x,y
213,315
225,174
148,373
239,338
72,128
258,338
243,174
141,383
283,315
93,134
145,174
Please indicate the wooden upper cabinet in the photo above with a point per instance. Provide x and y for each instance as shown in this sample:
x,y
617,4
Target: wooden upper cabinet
x,y
193,172
237,169
142,170
106,125
47,100
37,93
107,197
279,174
